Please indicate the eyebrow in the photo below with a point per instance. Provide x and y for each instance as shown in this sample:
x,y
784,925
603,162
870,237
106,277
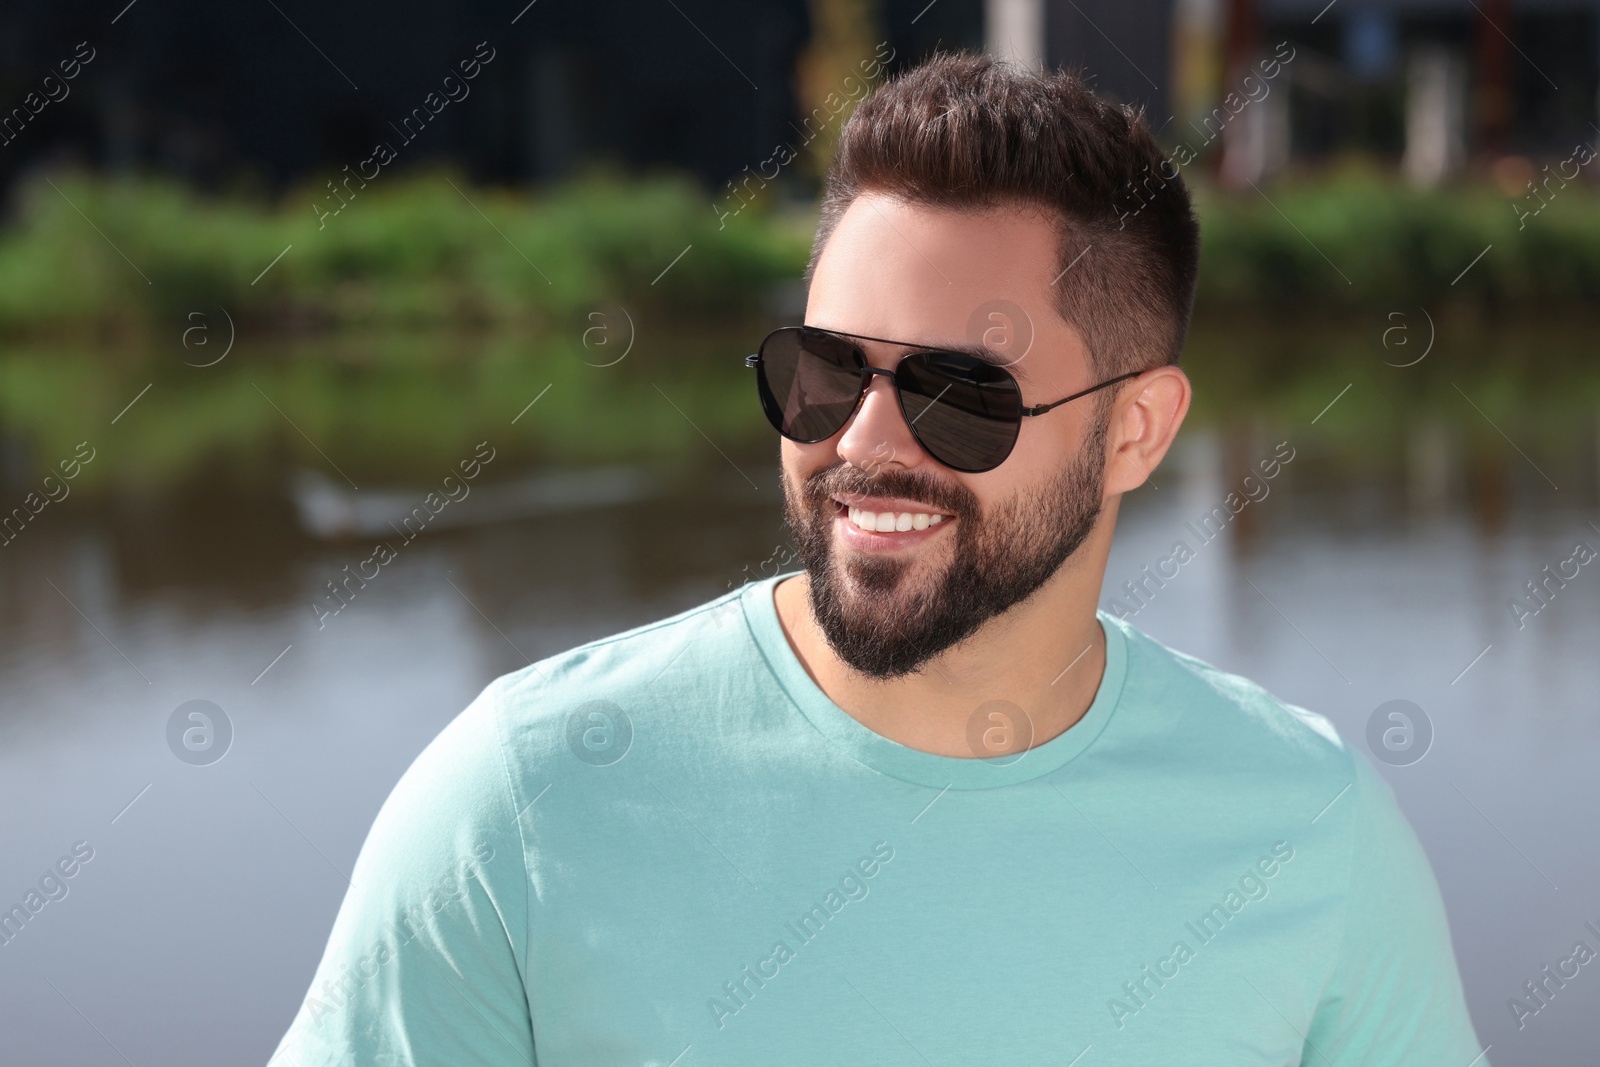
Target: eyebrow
x,y
987,355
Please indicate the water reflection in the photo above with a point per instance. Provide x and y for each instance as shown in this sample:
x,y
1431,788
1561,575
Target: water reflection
x,y
1376,564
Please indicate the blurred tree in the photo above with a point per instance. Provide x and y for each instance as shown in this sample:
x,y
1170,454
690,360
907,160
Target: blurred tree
x,y
844,35
1495,93
1197,60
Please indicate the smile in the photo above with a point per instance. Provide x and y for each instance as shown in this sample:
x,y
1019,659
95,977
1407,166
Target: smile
x,y
887,521
887,524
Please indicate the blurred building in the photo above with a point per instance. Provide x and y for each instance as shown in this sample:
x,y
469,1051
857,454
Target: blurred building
x,y
1438,84
1428,85
283,89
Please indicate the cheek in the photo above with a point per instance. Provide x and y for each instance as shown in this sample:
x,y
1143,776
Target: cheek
x,y
801,461
795,464
1045,444
993,489
792,464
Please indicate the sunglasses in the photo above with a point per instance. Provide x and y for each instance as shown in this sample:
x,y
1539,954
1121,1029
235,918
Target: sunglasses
x,y
964,411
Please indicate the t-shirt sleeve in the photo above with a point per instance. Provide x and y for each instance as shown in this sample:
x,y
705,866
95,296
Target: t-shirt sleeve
x,y
1395,996
425,964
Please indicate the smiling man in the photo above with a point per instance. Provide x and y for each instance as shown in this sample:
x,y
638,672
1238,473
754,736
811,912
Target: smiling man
x,y
920,803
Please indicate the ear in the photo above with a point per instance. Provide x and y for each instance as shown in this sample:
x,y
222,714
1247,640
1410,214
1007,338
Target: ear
x,y
1144,420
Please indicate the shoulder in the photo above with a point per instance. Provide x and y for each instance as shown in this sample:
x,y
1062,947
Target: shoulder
x,y
618,668
1229,745
462,802
1237,711
584,700
1245,746
452,803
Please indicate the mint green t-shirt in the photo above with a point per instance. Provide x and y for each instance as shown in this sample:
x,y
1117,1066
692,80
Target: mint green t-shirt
x,y
669,847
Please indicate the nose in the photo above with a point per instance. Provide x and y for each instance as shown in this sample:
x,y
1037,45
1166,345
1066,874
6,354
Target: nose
x,y
877,435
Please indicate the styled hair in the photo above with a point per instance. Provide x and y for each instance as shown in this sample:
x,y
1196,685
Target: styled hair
x,y
969,132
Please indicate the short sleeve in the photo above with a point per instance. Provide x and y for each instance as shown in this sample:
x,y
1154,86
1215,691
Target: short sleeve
x,y
424,966
1395,995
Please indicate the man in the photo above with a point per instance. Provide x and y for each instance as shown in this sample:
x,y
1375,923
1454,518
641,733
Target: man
x,y
921,803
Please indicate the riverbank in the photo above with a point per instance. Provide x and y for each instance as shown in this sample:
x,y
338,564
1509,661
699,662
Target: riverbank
x,y
84,256
382,405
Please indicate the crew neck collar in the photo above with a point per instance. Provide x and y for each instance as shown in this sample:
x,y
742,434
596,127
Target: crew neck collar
x,y
914,765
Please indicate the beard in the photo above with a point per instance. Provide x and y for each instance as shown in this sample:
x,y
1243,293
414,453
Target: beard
x,y
883,622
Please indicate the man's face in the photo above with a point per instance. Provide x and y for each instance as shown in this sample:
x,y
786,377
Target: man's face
x,y
890,599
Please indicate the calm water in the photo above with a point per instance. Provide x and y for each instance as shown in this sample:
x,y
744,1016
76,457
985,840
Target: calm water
x,y
190,936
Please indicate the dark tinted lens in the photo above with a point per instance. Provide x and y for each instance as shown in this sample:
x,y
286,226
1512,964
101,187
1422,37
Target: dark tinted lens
x,y
964,411
810,383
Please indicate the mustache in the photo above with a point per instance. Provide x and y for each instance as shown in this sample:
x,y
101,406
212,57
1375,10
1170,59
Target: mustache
x,y
847,480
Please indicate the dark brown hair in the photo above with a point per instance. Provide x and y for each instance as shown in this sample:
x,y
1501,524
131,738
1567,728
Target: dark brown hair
x,y
968,132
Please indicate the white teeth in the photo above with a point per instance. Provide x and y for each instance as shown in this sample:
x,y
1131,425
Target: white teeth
x,y
886,521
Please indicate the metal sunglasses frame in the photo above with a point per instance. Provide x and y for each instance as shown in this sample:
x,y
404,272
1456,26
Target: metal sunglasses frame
x,y
867,371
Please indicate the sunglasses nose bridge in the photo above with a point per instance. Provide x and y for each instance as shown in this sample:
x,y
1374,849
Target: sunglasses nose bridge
x,y
867,374
894,434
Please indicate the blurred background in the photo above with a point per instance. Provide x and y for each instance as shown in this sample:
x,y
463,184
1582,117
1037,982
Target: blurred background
x,y
270,271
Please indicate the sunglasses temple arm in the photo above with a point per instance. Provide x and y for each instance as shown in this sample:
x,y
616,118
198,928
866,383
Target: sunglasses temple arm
x,y
1042,408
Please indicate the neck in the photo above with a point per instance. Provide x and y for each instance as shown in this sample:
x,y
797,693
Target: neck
x,y
1037,666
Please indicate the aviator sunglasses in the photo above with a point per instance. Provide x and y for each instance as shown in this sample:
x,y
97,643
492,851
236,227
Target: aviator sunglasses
x,y
964,411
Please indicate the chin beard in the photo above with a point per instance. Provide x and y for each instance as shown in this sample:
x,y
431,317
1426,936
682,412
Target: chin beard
x,y
885,621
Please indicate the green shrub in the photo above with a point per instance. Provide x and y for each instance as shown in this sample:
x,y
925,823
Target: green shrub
x,y
1370,241
86,253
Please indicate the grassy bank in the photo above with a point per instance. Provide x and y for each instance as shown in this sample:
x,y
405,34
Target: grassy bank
x,y
86,256
1364,241
389,408
428,314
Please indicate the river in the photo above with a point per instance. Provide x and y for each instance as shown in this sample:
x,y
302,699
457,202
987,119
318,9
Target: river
x,y
1357,575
